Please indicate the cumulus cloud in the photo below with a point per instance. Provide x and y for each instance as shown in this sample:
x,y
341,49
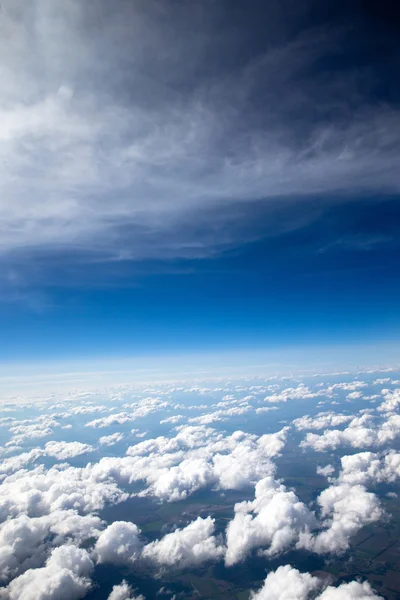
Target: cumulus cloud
x,y
325,471
117,419
220,415
361,437
87,409
359,434
192,545
274,520
287,583
64,577
187,547
354,395
66,450
123,591
248,462
24,541
244,461
196,457
43,509
110,440
321,421
351,386
15,463
119,543
138,409
349,591
265,409
345,509
391,400
41,491
370,468
25,433
173,420
178,482
302,392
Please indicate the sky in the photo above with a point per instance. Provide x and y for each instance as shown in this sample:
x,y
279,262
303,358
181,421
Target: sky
x,y
207,177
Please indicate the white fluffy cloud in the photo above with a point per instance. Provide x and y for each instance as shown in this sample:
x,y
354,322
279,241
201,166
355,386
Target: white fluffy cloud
x,y
43,510
321,421
66,450
119,543
361,437
26,433
138,409
359,434
15,463
302,392
123,591
110,440
64,577
354,590
173,420
345,509
187,547
24,541
274,520
41,491
391,400
196,457
325,471
287,583
351,386
368,467
117,419
220,415
178,482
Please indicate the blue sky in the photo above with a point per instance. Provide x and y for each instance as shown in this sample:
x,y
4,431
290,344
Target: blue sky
x,y
194,178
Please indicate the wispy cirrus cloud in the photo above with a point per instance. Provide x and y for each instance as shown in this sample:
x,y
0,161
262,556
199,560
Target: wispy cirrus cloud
x,y
120,139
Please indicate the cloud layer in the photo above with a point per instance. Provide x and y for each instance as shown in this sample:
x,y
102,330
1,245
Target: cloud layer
x,y
54,523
